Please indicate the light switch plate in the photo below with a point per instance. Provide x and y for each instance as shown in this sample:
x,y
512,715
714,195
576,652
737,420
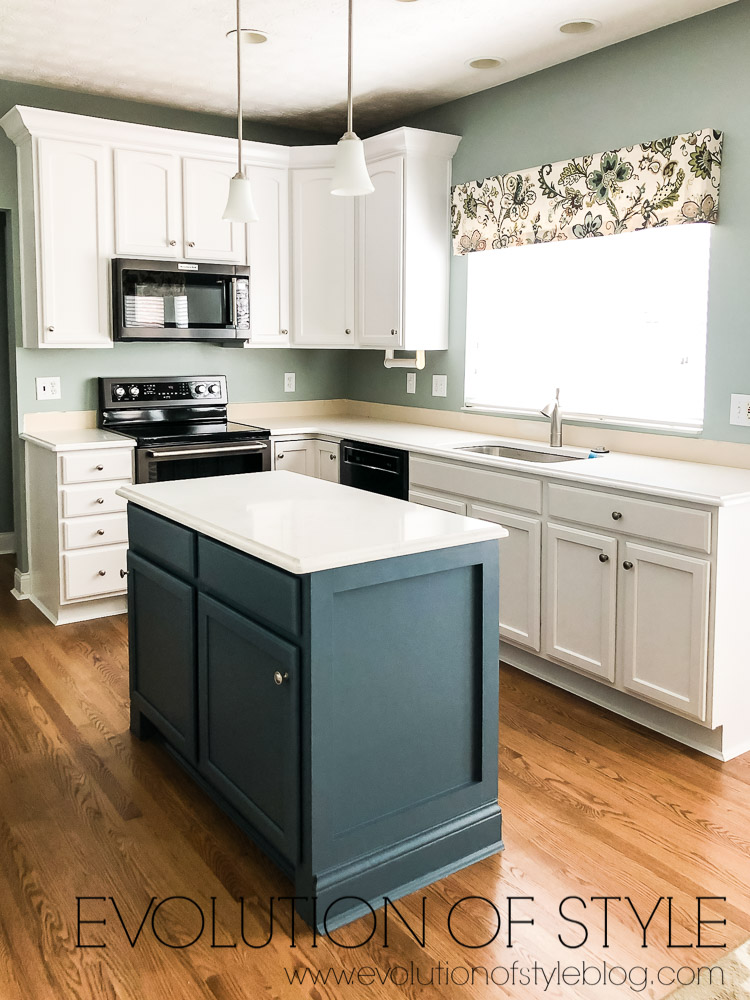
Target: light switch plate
x,y
289,381
439,385
739,410
411,381
48,387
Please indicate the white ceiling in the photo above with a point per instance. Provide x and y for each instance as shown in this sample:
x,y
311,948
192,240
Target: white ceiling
x,y
408,56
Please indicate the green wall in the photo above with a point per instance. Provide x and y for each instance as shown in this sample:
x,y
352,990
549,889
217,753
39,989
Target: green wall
x,y
695,74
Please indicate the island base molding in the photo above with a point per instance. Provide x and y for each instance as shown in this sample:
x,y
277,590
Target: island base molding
x,y
723,743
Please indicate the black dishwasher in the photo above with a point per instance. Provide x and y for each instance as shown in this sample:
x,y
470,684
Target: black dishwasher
x,y
375,468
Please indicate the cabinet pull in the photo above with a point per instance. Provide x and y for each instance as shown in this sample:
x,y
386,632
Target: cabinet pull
x,y
616,515
394,332
173,243
332,458
603,557
279,678
124,573
102,572
284,333
100,500
627,564
51,329
100,531
191,243
347,332
100,468
279,456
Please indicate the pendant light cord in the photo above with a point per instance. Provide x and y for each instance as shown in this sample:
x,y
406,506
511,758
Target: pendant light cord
x,y
239,94
349,115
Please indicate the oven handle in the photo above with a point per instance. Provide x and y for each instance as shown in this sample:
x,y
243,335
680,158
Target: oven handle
x,y
234,303
221,450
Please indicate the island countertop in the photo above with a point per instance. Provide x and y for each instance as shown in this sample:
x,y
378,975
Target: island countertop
x,y
305,525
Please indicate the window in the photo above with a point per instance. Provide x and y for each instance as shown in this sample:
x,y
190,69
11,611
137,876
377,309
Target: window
x,y
618,324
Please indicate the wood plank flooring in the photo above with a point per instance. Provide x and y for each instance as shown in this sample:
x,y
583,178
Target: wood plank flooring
x,y
593,806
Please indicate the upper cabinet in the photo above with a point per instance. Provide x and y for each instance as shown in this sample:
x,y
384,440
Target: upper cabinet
x,y
325,271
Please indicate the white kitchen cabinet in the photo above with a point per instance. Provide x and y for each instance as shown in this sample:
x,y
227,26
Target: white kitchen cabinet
x,y
327,460
70,262
580,600
664,634
268,256
148,203
380,252
295,456
322,261
207,235
452,504
520,574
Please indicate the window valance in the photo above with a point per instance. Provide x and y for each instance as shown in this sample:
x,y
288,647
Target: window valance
x,y
666,182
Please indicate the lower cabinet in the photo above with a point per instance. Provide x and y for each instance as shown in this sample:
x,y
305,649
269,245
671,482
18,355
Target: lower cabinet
x,y
295,456
250,758
327,460
581,599
161,612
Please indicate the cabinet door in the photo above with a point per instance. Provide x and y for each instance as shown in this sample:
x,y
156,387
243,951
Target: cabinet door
x,y
75,227
268,256
327,454
162,652
664,650
381,240
295,456
322,261
205,192
520,574
440,503
580,595
148,210
249,727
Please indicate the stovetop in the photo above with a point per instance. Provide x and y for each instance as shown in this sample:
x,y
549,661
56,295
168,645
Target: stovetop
x,y
163,433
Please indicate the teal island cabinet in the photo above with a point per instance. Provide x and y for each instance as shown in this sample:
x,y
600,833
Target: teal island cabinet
x,y
324,662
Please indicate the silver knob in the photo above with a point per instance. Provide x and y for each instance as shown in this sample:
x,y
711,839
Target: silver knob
x,y
394,332
279,456
123,573
100,468
616,515
603,557
173,243
102,572
100,500
284,333
347,332
279,678
191,243
627,564
100,531
51,329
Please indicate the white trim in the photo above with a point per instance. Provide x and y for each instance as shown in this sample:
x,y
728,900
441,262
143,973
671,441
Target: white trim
x,y
692,430
21,585
84,610
7,542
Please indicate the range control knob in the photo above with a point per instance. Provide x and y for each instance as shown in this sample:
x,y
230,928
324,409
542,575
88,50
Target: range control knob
x,y
200,389
134,391
214,388
118,391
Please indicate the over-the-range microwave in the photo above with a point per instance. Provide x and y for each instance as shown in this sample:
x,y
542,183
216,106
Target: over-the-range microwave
x,y
179,300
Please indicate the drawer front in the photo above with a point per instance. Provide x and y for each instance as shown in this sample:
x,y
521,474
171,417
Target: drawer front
x,y
94,574
481,484
162,541
442,503
84,532
661,521
91,466
265,593
100,499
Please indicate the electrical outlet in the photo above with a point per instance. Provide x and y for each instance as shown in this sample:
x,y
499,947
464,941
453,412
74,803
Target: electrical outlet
x,y
48,388
739,410
439,385
411,381
289,381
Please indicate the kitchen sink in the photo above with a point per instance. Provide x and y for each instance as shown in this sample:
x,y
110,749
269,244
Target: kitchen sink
x,y
519,454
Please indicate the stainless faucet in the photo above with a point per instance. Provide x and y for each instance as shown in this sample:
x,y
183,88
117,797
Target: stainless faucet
x,y
553,411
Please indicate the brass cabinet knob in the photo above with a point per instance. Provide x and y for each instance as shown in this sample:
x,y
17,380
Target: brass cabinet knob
x,y
279,678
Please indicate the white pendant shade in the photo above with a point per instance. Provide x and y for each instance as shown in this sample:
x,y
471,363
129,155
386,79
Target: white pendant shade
x,y
350,175
240,206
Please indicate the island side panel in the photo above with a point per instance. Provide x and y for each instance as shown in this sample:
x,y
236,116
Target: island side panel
x,y
403,693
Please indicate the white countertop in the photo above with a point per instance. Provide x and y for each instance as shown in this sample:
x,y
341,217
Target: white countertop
x,y
304,525
77,440
691,481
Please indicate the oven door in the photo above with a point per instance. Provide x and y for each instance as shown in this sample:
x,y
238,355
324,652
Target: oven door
x,y
161,465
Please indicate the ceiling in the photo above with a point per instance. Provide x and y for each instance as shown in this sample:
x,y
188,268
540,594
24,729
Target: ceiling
x,y
408,56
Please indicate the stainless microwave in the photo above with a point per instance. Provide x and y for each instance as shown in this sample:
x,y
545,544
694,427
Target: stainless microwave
x,y
179,300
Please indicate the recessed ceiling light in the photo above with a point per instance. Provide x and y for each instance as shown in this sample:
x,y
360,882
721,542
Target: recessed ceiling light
x,y
487,62
580,26
253,36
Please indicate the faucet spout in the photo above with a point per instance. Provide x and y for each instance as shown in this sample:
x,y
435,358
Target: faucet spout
x,y
554,413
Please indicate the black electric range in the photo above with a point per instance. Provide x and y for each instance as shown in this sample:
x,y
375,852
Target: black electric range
x,y
181,428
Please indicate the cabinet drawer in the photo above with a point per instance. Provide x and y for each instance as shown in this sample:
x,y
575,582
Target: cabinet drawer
x,y
662,521
109,529
481,484
91,466
252,586
161,541
93,574
442,503
78,500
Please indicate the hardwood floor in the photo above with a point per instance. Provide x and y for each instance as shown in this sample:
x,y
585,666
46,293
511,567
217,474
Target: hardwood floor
x,y
593,806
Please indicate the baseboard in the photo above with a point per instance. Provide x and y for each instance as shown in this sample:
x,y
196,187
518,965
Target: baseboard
x,y
21,585
7,543
85,611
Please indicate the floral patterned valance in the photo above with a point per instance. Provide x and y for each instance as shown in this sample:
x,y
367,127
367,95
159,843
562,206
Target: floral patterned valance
x,y
666,182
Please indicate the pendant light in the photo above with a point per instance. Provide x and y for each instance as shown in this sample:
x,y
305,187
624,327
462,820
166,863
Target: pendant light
x,y
240,207
350,175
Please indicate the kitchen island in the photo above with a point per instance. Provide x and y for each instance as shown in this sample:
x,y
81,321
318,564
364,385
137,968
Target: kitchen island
x,y
324,662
